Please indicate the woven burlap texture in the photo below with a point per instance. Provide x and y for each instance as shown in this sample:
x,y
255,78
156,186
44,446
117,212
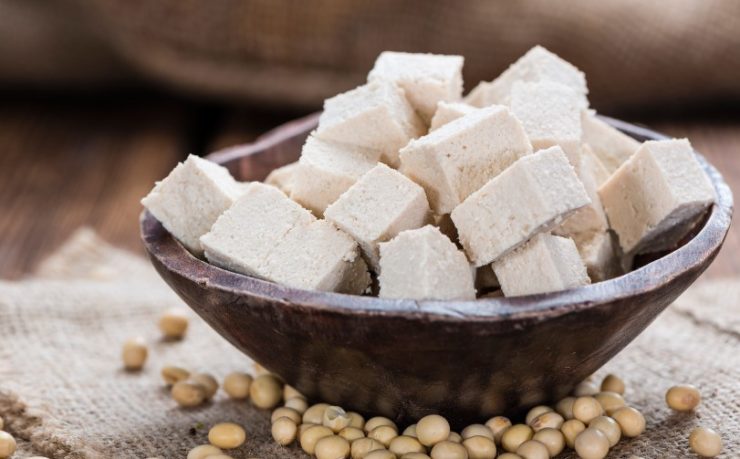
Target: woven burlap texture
x,y
64,394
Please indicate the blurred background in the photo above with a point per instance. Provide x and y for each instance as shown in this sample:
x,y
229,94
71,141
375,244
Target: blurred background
x,y
100,98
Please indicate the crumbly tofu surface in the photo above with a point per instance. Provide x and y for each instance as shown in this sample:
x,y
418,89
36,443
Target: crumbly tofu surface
x,y
381,204
282,177
425,78
533,195
551,115
376,116
190,199
590,218
546,263
423,264
327,169
655,197
449,111
460,157
610,145
598,252
538,64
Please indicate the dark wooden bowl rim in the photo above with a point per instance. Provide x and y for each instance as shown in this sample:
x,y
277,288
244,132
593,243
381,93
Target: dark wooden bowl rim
x,y
499,311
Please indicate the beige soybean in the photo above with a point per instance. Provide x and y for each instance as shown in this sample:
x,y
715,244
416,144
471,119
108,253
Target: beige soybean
x,y
610,401
480,447
315,413
291,392
532,449
380,454
332,447
2,423
351,433
705,442
356,419
378,421
7,445
188,393
475,430
449,450
534,412
403,445
284,431
608,427
585,388
410,431
297,403
432,429
683,397
219,456
227,435
570,429
173,323
284,412
312,435
455,437
236,385
515,436
553,439
134,353
565,407
612,383
415,456
498,424
203,451
631,421
172,374
266,391
208,382
586,408
384,434
361,447
303,427
509,456
550,419
591,444
335,418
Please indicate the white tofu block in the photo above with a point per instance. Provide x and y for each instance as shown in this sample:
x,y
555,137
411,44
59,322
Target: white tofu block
x,y
598,170
426,78
458,158
423,264
282,177
610,145
381,204
449,111
318,257
546,263
655,197
327,169
598,253
590,218
243,236
190,199
538,64
375,116
533,195
551,115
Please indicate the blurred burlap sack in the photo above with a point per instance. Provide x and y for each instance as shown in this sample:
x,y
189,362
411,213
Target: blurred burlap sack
x,y
296,53
64,394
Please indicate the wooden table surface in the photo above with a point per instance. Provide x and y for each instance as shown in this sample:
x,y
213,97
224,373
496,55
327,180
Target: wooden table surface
x,y
66,163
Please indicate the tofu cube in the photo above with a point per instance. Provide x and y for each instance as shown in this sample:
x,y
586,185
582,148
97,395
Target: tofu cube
x,y
282,177
190,199
266,235
327,169
546,263
656,196
449,111
534,195
423,264
381,204
590,218
598,170
610,145
551,115
598,253
425,78
538,64
458,158
376,116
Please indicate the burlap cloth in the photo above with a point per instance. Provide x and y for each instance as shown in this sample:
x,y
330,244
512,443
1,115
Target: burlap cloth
x,y
63,392
296,53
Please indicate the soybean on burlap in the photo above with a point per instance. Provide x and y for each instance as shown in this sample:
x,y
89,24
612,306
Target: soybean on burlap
x,y
64,394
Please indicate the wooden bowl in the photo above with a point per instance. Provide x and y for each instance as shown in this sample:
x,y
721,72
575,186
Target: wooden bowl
x,y
467,360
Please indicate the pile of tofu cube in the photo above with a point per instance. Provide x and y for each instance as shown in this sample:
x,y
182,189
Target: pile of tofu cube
x,y
407,189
